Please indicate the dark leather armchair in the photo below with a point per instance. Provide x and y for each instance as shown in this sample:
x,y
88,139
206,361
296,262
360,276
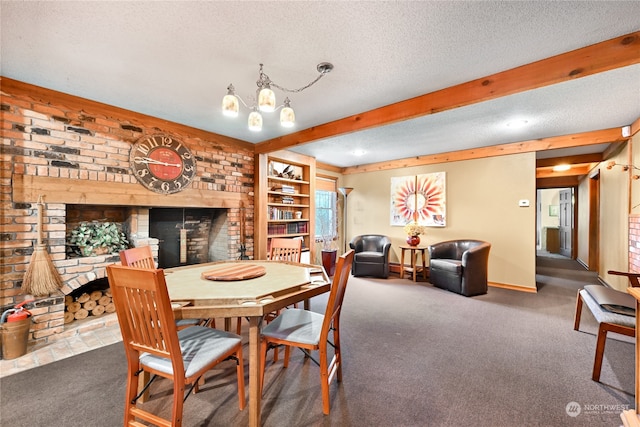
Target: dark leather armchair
x,y
371,256
460,266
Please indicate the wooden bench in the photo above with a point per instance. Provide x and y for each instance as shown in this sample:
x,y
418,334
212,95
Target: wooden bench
x,y
608,321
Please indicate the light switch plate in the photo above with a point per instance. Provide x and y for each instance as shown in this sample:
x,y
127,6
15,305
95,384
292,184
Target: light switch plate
x,y
523,203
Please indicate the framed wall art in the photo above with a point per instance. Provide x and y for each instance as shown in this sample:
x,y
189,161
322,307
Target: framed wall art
x,y
419,198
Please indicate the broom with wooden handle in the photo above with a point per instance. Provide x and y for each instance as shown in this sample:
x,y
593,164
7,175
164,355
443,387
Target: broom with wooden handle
x,y
41,277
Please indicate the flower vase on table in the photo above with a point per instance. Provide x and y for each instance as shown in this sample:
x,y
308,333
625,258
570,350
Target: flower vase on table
x,y
413,240
413,231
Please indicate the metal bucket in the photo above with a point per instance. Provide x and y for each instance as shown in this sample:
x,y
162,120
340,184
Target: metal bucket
x,y
14,338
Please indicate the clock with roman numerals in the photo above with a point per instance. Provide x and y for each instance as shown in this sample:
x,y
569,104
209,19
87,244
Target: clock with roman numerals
x,y
162,163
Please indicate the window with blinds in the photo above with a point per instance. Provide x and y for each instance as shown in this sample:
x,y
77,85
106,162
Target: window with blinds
x,y
326,208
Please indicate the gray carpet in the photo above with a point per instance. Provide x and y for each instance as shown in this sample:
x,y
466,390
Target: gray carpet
x,y
414,355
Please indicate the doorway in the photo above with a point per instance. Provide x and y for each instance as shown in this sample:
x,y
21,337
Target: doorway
x,y
555,221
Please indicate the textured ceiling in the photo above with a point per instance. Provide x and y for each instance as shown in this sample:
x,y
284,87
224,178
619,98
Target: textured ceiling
x,y
174,60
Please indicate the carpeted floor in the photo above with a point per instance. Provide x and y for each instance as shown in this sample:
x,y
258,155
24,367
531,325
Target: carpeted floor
x,y
414,355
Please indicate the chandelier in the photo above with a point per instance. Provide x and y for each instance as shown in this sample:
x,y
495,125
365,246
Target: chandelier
x,y
266,100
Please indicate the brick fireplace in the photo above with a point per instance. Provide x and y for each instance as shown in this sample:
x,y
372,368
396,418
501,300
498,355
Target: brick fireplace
x,y
72,151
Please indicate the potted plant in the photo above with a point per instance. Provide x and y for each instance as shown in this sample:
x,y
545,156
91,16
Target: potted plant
x,y
97,238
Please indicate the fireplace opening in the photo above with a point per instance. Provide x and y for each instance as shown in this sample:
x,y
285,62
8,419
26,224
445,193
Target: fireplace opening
x,y
189,236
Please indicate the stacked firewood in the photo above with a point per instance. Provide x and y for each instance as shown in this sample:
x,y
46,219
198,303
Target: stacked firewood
x,y
95,303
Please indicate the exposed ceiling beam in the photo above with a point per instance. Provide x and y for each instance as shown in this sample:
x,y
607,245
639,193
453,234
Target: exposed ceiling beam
x,y
604,56
556,142
558,182
569,160
578,170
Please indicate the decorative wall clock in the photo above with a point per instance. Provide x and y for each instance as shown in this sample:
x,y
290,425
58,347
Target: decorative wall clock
x,y
162,163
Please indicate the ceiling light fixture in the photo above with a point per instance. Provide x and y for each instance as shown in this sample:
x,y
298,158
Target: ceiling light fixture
x,y
266,99
561,168
517,124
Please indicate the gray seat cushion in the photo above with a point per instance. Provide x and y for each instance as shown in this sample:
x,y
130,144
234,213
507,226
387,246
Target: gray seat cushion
x,y
301,326
605,316
612,299
183,323
200,346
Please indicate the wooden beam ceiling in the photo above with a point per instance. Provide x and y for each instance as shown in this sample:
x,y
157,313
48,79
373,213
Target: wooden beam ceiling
x,y
586,138
569,160
607,55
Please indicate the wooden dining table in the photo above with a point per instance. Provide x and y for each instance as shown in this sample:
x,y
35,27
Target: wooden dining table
x,y
248,289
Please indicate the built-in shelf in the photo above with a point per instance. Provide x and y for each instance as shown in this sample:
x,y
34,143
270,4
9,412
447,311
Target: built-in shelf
x,y
285,203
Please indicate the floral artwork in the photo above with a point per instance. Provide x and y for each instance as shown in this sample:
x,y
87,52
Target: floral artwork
x,y
419,198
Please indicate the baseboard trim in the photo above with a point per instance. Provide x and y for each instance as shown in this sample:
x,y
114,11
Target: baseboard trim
x,y
582,263
395,268
513,287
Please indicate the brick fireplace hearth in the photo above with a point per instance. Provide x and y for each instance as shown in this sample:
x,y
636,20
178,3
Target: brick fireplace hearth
x,y
72,151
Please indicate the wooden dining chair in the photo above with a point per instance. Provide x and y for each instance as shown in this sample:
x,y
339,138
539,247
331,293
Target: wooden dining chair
x,y
311,331
281,249
155,346
285,250
142,257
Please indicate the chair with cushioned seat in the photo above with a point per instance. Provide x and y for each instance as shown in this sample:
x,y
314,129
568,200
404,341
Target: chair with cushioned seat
x,y
153,344
142,257
460,266
610,317
310,331
371,255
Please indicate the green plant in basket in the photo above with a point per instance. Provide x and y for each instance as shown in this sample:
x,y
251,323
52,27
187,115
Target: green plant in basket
x,y
98,238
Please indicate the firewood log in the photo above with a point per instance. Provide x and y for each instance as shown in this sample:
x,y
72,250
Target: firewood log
x,y
81,314
83,298
104,300
74,307
99,310
68,317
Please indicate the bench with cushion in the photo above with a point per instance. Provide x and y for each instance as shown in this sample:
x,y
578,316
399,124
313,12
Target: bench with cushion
x,y
613,310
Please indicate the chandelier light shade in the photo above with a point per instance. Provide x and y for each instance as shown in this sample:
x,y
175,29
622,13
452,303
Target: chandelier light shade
x,y
287,116
230,106
265,100
255,121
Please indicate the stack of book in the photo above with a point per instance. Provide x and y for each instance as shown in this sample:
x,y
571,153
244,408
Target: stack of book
x,y
284,188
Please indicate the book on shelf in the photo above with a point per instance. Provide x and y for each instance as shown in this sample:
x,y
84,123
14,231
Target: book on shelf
x,y
277,213
283,188
290,228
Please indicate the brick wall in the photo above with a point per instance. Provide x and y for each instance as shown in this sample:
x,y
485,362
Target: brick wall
x,y
57,137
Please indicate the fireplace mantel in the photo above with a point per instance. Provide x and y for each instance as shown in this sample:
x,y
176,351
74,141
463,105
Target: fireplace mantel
x,y
27,189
